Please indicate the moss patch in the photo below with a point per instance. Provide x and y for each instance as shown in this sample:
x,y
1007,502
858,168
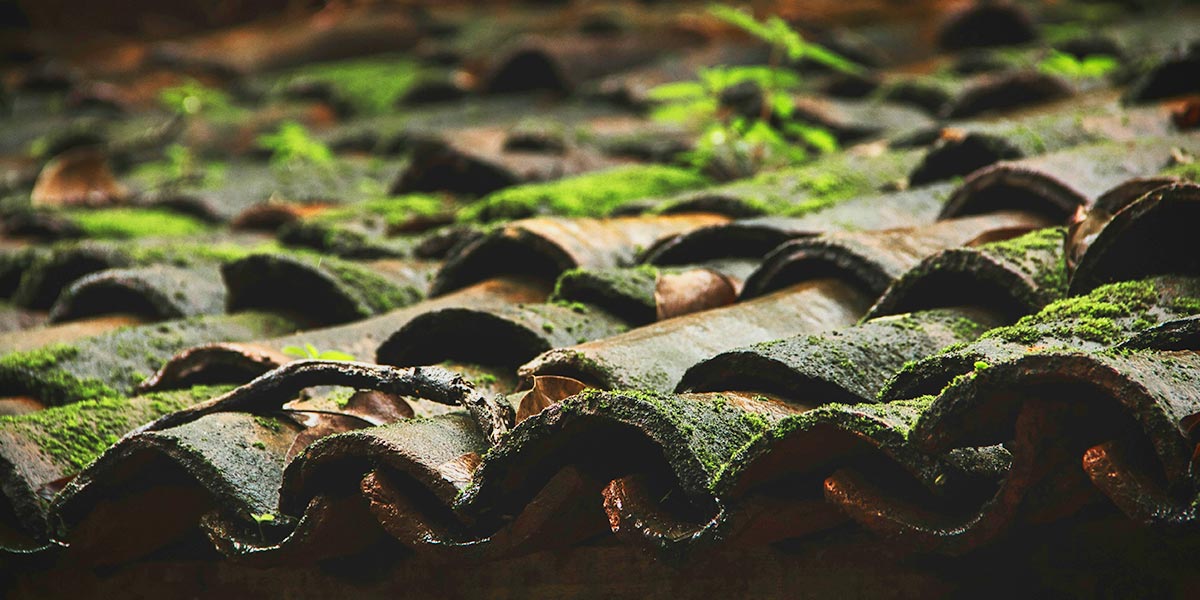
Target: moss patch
x,y
1092,317
379,294
129,223
590,195
1033,250
36,371
72,436
369,85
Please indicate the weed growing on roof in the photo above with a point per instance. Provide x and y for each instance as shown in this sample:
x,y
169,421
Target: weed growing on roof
x,y
736,145
130,223
193,98
1067,65
180,167
369,85
589,195
311,351
293,147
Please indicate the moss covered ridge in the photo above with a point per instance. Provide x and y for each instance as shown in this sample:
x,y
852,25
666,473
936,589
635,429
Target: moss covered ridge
x,y
589,195
1104,318
697,435
132,223
72,436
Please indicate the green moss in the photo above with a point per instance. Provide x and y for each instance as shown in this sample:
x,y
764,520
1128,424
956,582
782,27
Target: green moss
x,y
1189,171
269,423
129,223
379,294
370,85
636,283
1091,317
392,210
33,372
72,436
589,195
1032,250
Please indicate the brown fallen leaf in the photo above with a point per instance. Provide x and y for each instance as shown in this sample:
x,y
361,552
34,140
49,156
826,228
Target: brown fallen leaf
x,y
547,390
78,177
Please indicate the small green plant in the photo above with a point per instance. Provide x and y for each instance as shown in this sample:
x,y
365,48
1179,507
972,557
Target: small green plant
x,y
293,147
193,98
1067,65
735,144
180,166
310,351
259,519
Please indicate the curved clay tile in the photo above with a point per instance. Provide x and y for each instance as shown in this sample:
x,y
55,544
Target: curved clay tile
x,y
321,488
830,295
678,440
799,191
156,292
754,237
849,365
324,290
1006,91
1014,277
984,24
1128,313
854,121
963,148
561,63
229,363
151,488
1173,75
47,273
1056,410
654,356
40,452
475,162
1084,231
546,247
874,259
1059,184
777,487
111,364
504,336
1147,237
644,294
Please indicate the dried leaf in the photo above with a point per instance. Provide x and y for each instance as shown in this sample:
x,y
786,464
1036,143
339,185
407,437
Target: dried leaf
x,y
78,177
547,390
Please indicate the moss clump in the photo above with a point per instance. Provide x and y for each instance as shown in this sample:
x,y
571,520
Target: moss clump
x,y
590,195
379,294
369,85
1091,317
392,211
1189,171
72,436
1032,250
130,223
269,423
33,372
632,285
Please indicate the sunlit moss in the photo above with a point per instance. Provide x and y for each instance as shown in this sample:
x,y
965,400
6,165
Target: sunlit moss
x,y
129,223
591,195
370,85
